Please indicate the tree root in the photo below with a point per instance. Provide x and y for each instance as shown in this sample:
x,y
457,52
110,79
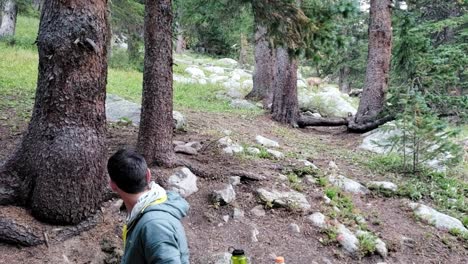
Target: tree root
x,y
15,233
354,127
368,126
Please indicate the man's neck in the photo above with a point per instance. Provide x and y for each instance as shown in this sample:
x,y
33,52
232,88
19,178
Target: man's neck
x,y
130,200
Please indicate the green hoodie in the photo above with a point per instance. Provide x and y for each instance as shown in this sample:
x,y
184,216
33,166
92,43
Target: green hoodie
x,y
157,236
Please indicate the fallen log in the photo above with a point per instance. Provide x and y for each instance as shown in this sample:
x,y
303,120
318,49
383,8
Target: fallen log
x,y
15,233
305,121
368,126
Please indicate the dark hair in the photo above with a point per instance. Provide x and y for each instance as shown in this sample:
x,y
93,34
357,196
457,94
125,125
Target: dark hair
x,y
128,170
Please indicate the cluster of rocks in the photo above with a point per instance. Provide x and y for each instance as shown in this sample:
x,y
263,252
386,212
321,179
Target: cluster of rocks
x,y
231,147
118,109
189,148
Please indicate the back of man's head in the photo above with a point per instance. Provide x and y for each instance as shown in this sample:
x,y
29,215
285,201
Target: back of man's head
x,y
128,169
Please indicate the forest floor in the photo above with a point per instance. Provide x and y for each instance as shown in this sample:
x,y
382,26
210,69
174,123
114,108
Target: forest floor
x,y
208,233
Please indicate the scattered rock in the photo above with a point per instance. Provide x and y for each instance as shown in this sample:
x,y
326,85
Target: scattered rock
x,y
292,200
332,165
229,147
234,180
253,235
253,151
227,61
347,185
227,132
185,150
180,122
216,79
317,219
224,196
275,153
195,144
438,219
183,182
294,228
326,199
215,69
308,164
407,242
237,214
258,211
310,179
389,186
347,240
195,72
177,142
282,177
242,104
226,218
225,141
266,142
360,219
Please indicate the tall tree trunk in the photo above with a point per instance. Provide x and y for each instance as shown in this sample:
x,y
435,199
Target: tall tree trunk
x,y
344,83
285,107
8,18
244,45
59,167
378,62
264,66
155,136
37,4
180,43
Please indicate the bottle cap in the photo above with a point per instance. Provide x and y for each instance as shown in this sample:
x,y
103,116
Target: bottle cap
x,y
238,252
279,260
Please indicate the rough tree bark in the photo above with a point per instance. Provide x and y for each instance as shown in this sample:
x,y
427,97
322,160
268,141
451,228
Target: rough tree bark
x,y
155,135
285,107
343,80
264,64
59,167
9,10
378,65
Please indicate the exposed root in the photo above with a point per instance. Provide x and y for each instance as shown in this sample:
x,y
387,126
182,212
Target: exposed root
x,y
305,121
367,126
12,232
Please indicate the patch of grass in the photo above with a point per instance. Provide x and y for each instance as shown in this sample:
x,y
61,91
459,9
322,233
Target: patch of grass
x,y
331,235
385,163
25,33
295,182
305,170
322,181
331,192
367,243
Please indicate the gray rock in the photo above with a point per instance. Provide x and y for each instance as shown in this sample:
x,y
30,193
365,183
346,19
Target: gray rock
x,y
220,258
438,219
196,73
292,200
317,219
347,240
266,142
389,186
180,122
275,153
242,104
227,132
226,218
195,144
216,78
185,150
360,219
183,182
326,199
307,163
258,211
294,228
215,69
310,180
229,147
224,196
237,214
282,177
407,242
234,180
347,185
253,151
225,141
329,101
332,165
253,234
177,142
227,61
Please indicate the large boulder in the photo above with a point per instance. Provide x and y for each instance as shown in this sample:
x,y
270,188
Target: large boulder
x,y
196,73
292,200
328,102
183,182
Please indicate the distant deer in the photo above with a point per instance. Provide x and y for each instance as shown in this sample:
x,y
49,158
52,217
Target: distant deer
x,y
313,81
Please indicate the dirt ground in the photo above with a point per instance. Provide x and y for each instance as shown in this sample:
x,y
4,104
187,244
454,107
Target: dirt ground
x,y
206,230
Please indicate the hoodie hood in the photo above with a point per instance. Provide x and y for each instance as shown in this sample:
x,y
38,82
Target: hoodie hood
x,y
154,193
174,205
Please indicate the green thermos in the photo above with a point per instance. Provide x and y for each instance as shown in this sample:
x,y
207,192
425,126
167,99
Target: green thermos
x,y
238,257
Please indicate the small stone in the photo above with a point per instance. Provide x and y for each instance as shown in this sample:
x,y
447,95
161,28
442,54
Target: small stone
x,y
253,235
389,186
224,196
258,211
234,180
336,209
177,142
308,164
225,141
195,145
294,228
332,165
226,218
408,242
238,214
183,182
318,219
227,132
326,199
347,184
347,240
266,142
282,177
360,219
381,248
253,151
185,150
275,153
310,179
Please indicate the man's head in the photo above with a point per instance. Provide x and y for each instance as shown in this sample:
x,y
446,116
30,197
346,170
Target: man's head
x,y
128,171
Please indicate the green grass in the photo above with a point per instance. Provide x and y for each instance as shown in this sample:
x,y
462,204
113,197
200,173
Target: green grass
x,y
26,33
367,243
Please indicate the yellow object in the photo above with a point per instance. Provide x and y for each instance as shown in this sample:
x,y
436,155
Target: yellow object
x,y
279,260
126,228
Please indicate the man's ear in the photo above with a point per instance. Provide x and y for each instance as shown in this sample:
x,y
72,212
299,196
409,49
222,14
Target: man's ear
x,y
148,176
113,186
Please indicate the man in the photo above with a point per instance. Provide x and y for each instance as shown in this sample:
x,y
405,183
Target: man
x,y
153,232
